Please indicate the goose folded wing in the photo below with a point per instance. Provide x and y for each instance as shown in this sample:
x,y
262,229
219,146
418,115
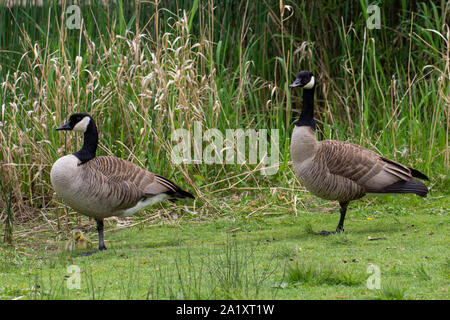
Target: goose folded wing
x,y
117,181
365,167
130,182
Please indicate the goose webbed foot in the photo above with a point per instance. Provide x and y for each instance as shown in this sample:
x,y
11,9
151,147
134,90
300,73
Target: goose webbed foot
x,y
327,233
86,254
340,227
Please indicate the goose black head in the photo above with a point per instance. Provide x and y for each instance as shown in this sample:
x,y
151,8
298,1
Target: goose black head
x,y
305,79
82,122
77,122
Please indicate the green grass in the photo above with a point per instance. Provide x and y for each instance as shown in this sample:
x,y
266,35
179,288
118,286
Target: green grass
x,y
233,257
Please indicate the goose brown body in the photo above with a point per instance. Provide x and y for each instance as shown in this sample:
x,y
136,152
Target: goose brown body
x,y
342,171
107,186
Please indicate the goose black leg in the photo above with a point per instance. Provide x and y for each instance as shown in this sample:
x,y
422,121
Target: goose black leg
x,y
340,227
342,211
101,244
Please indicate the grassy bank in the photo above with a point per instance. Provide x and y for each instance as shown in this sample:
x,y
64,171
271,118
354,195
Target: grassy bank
x,y
272,255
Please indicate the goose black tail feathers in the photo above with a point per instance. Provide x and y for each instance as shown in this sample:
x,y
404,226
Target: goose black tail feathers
x,y
417,174
175,191
182,194
410,186
179,194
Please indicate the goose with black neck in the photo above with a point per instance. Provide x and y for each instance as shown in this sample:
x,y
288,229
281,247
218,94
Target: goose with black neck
x,y
342,171
105,186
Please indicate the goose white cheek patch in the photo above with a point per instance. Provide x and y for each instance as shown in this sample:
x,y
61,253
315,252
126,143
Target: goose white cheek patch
x,y
82,125
310,84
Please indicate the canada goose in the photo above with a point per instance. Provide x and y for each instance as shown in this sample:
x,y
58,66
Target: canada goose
x,y
105,186
342,171
78,241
